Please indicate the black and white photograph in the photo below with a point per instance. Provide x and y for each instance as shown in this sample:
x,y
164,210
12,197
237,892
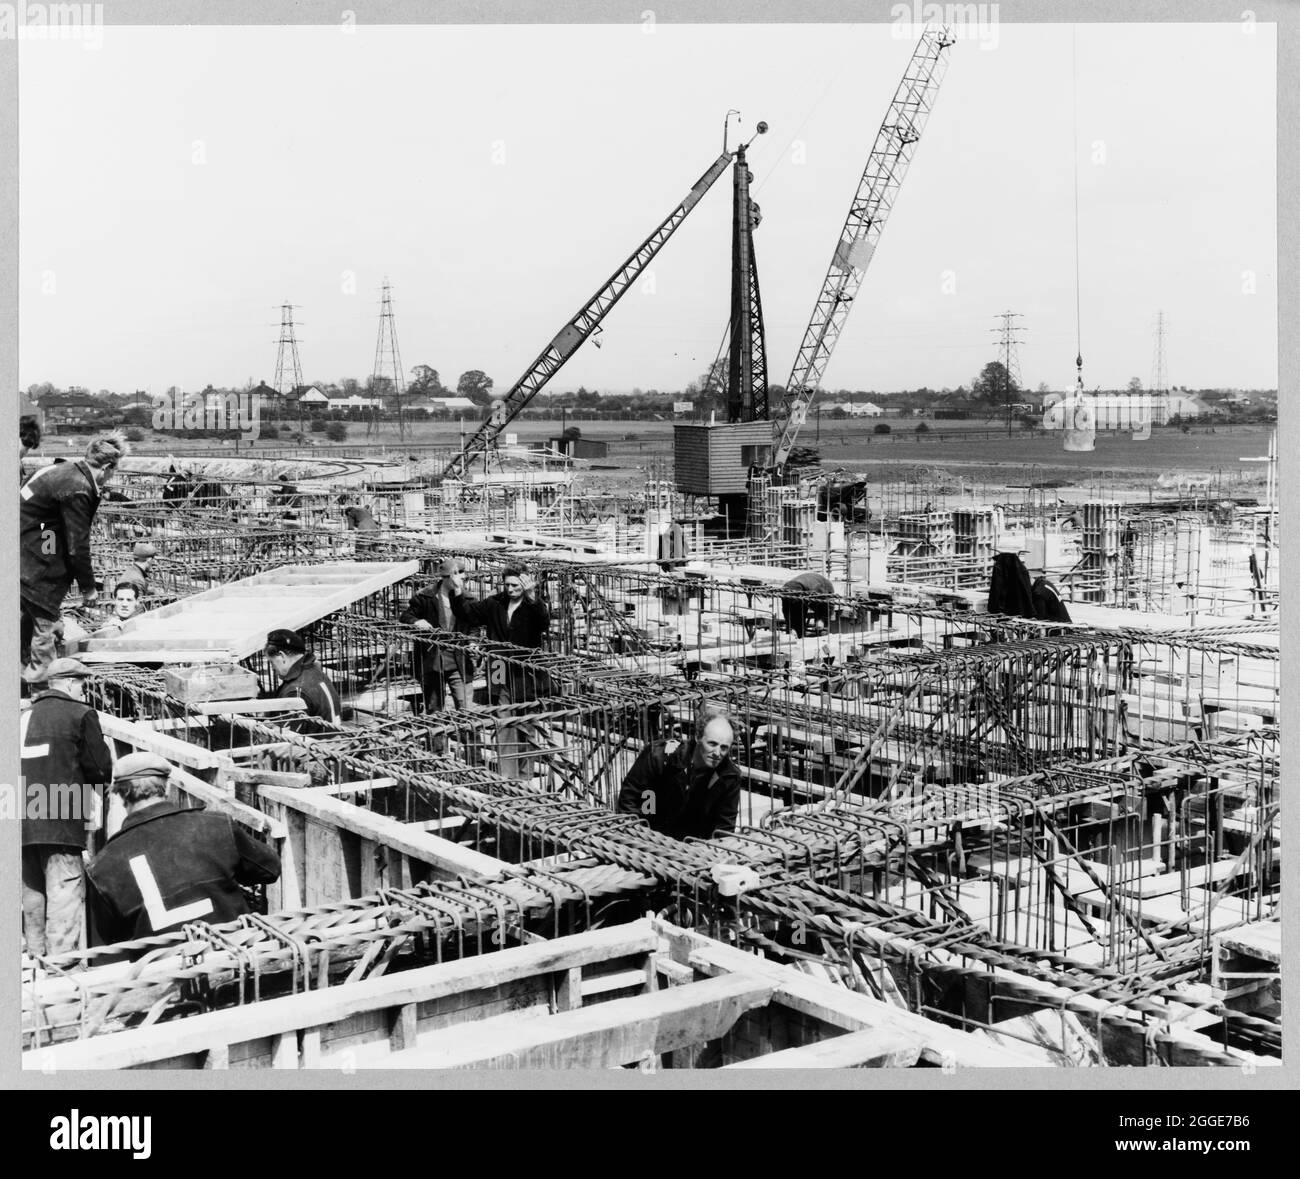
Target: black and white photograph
x,y
627,540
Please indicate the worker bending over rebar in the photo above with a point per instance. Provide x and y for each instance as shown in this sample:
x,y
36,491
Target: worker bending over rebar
x,y
687,788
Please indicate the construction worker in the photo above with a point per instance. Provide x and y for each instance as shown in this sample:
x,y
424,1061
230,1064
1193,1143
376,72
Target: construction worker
x,y
57,506
300,675
127,601
29,438
142,555
440,670
64,761
691,788
512,616
166,865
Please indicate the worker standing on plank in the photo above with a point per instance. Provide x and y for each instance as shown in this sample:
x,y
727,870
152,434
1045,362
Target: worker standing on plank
x,y
167,866
64,761
57,506
300,675
690,788
440,670
513,616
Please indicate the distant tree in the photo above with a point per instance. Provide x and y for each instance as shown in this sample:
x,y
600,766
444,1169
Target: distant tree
x,y
1135,384
425,381
883,428
1042,387
335,431
138,415
350,386
995,384
476,385
921,428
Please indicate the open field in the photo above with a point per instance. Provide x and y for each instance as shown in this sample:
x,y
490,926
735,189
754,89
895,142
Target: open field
x,y
974,450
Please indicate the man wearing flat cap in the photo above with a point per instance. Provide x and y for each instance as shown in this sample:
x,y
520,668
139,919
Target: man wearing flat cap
x,y
300,675
167,865
64,762
142,555
440,669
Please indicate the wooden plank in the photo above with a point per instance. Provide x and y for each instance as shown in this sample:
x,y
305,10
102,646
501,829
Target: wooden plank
x,y
1261,940
284,1050
449,858
607,1035
256,777
568,989
877,1048
343,788
621,980
232,621
251,707
309,1012
215,799
149,740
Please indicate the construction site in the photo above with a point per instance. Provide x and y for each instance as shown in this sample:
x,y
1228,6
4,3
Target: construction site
x,y
967,835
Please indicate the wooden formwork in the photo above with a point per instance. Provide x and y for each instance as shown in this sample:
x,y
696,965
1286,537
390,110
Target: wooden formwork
x,y
647,994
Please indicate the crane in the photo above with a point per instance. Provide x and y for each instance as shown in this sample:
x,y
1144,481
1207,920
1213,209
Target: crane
x,y
578,329
886,166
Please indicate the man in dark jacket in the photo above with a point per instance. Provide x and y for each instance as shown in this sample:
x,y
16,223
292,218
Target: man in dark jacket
x,y
1009,589
688,788
513,616
440,670
56,508
300,675
64,762
167,866
1047,602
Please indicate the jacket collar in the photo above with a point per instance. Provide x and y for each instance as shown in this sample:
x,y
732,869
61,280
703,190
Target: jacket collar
x,y
298,668
54,692
159,810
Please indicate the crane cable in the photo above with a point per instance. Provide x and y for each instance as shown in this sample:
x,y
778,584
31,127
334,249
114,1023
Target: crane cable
x,y
1074,84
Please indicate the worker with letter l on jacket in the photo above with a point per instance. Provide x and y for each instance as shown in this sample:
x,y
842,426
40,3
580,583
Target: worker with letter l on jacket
x,y
168,866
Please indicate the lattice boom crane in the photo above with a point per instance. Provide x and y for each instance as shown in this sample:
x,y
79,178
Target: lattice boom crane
x,y
581,326
886,166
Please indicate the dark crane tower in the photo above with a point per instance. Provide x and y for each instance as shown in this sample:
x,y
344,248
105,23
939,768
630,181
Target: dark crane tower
x,y
747,362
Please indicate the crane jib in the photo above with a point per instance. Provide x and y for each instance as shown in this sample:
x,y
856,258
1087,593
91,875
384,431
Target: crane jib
x,y
571,337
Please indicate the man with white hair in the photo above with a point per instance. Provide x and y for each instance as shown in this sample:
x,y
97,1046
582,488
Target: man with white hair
x,y
57,506
64,761
167,866
690,788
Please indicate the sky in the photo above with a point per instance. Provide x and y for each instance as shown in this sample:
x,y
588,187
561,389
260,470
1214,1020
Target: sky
x,y
177,185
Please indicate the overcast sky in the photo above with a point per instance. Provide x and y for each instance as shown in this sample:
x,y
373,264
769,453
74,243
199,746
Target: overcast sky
x,y
177,185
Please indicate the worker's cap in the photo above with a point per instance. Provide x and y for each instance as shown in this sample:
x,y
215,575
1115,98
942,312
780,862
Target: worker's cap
x,y
449,566
144,549
65,668
286,640
141,765
1011,544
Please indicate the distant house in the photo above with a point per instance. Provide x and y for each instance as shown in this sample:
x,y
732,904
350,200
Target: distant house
x,y
70,414
1182,405
355,402
311,398
456,405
